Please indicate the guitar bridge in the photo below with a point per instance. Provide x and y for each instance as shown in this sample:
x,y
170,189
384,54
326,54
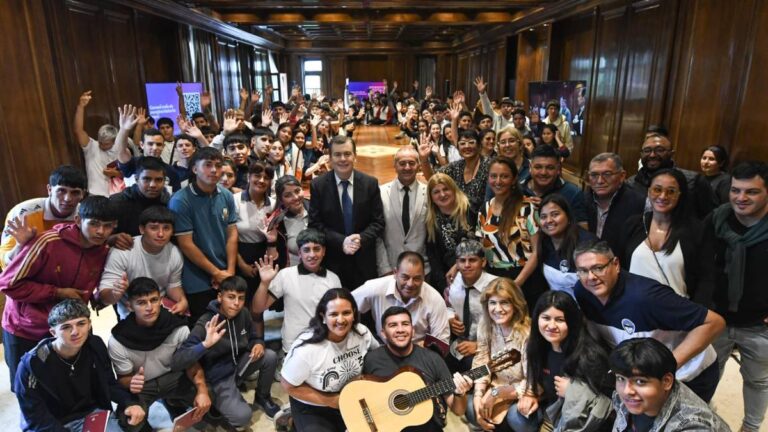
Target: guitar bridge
x,y
367,415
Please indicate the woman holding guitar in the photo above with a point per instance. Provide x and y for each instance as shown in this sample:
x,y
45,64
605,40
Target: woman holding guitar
x,y
323,359
505,325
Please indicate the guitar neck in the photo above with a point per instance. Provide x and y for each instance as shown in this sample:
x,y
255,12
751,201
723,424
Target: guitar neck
x,y
444,386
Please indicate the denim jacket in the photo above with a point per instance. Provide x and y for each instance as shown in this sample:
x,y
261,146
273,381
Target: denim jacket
x,y
683,411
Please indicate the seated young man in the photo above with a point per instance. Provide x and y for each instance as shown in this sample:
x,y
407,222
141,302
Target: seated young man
x,y
66,188
141,349
68,376
301,287
153,256
223,341
648,397
64,262
397,332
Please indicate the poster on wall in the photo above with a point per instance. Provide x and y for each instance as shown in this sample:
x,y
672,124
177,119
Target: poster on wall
x,y
572,97
164,102
360,88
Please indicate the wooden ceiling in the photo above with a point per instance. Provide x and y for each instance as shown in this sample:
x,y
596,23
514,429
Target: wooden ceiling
x,y
405,21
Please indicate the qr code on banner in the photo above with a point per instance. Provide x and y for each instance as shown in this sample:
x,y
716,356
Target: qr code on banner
x,y
192,103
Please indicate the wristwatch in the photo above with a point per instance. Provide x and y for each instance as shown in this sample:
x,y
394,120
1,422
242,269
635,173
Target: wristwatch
x,y
495,392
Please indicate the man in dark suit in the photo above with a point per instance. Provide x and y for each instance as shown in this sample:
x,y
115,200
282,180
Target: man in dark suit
x,y
345,204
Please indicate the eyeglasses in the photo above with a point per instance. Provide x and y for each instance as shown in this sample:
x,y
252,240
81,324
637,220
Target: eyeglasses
x,y
658,150
656,191
597,270
607,176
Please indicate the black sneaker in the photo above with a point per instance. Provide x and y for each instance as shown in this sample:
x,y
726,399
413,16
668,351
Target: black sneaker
x,y
267,404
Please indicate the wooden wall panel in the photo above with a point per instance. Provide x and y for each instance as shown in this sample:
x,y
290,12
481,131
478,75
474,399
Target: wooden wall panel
x,y
367,68
339,70
532,58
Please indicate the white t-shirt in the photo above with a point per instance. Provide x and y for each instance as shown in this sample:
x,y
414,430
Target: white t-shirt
x,y
673,264
302,293
96,160
156,362
164,268
327,366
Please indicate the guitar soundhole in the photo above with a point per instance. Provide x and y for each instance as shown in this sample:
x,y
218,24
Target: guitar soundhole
x,y
398,402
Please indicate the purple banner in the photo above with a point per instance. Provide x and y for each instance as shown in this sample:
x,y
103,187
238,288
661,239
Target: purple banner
x,y
164,102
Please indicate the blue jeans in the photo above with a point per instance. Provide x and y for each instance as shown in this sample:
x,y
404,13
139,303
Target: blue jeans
x,y
753,346
77,425
514,419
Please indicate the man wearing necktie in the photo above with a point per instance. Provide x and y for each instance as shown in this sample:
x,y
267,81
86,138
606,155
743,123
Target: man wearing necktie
x,y
405,209
345,204
464,297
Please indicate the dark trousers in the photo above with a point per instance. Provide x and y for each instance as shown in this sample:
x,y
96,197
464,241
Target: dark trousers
x,y
14,348
705,384
312,418
198,302
174,388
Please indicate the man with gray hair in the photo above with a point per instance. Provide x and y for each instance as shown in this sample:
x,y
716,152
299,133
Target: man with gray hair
x,y
620,305
69,376
609,200
405,210
465,311
97,153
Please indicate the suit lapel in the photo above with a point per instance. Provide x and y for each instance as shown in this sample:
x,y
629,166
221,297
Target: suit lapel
x,y
419,204
394,202
336,196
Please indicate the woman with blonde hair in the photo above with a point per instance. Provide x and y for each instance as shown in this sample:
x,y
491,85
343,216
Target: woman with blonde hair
x,y
509,143
505,325
449,220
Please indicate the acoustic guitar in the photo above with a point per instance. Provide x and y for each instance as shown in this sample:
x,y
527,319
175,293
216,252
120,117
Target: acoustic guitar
x,y
372,404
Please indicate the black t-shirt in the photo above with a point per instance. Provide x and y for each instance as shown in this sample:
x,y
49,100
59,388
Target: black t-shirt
x,y
74,387
552,368
382,363
640,423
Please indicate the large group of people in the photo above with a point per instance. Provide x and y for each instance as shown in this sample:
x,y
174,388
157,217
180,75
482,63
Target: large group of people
x,y
623,300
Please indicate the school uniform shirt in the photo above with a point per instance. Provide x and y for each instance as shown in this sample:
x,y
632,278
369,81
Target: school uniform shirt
x,y
559,273
327,366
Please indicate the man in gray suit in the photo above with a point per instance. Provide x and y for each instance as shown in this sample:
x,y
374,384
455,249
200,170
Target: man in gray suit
x,y
405,211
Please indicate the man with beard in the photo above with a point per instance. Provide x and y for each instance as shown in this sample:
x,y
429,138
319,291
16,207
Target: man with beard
x,y
545,179
141,349
656,154
407,289
397,331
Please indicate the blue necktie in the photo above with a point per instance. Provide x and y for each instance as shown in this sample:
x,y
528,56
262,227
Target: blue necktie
x,y
346,208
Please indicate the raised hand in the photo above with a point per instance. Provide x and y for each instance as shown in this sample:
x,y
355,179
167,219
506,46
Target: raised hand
x,y
266,117
480,85
85,99
20,231
137,381
394,85
427,92
127,117
179,90
205,99
255,97
141,116
458,97
454,111
415,84
424,146
267,268
214,331
284,117
269,89
315,121
243,93
230,122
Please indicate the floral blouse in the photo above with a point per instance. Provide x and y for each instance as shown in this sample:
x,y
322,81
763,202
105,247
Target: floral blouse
x,y
519,248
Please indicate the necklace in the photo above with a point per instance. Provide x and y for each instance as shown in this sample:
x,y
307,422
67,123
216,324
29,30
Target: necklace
x,y
71,365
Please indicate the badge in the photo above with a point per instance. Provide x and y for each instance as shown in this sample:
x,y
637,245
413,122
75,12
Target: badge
x,y
628,325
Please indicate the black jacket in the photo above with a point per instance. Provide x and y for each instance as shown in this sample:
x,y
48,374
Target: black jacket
x,y
702,198
130,203
626,203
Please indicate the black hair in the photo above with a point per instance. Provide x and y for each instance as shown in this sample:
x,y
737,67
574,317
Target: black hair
x,y
69,176
517,111
545,151
310,235
392,311
260,167
164,120
141,286
342,139
584,358
280,185
317,325
206,153
150,132
151,163
184,136
410,256
642,357
680,215
97,207
749,170
658,130
233,283
260,131
236,138
156,214
721,156
66,310
571,235
208,130
482,117
198,115
468,133
514,201
277,104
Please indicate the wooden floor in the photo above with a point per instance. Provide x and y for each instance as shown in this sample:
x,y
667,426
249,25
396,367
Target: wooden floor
x,y
379,162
